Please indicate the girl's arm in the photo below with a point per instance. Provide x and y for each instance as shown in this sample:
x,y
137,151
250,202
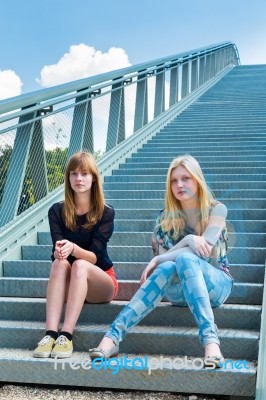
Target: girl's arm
x,y
163,256
67,248
56,228
216,224
202,245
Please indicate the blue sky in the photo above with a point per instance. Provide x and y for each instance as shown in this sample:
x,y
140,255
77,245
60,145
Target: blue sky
x,y
35,34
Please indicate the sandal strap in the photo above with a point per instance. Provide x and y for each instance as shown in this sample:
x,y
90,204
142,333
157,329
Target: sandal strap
x,y
98,350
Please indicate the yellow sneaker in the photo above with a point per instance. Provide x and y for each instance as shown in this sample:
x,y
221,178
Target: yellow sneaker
x,y
63,347
45,347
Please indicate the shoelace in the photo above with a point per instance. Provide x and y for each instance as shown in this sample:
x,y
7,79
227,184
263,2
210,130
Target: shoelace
x,y
62,340
45,340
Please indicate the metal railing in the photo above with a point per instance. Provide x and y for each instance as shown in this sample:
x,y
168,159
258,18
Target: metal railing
x,y
41,130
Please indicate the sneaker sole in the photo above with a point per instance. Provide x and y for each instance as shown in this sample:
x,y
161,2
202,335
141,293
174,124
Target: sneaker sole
x,y
62,355
42,355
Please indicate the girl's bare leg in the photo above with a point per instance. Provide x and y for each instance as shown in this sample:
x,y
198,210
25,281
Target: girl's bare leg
x,y
56,293
87,282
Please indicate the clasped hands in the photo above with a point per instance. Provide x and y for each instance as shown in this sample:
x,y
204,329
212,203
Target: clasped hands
x,y
198,244
63,248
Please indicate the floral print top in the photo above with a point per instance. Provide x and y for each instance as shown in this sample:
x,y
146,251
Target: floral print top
x,y
218,256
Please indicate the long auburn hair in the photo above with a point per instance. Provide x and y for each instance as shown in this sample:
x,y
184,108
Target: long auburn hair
x,y
83,161
172,219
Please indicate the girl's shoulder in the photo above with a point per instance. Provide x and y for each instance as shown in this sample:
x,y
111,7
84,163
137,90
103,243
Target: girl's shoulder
x,y
108,211
57,207
218,208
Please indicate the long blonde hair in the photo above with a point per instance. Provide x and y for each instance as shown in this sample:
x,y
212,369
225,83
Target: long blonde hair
x,y
172,219
85,162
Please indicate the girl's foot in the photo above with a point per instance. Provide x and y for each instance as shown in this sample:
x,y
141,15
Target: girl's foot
x,y
212,350
213,356
106,349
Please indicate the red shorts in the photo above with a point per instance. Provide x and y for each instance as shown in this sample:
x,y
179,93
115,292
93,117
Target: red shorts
x,y
111,273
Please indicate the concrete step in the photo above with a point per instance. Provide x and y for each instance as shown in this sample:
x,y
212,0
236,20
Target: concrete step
x,y
197,151
154,157
203,155
249,273
149,216
246,255
159,204
186,120
170,340
216,131
230,177
201,112
141,225
187,148
136,170
162,163
204,133
247,185
228,381
139,238
242,293
228,316
231,193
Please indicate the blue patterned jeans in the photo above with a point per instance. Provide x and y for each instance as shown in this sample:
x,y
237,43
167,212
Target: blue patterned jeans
x,y
189,280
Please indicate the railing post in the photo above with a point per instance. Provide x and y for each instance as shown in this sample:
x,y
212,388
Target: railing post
x,y
159,105
116,122
212,71
201,69
121,129
185,80
173,98
194,75
17,169
37,163
207,67
82,127
218,61
141,106
224,57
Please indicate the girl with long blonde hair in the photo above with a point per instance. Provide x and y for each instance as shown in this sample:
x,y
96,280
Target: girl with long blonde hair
x,y
81,270
190,266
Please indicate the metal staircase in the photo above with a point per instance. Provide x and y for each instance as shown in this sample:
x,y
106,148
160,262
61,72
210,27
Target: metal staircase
x,y
225,129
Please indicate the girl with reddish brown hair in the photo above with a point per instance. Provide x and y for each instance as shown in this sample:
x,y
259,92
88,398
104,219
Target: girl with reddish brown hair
x,y
81,270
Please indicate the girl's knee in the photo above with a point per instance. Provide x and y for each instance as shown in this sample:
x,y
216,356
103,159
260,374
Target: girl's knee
x,y
186,259
81,269
167,265
167,268
60,268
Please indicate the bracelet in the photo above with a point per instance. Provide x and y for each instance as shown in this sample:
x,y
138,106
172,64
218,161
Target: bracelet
x,y
72,252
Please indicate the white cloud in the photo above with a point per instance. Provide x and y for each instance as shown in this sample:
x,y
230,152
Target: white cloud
x,y
10,84
80,62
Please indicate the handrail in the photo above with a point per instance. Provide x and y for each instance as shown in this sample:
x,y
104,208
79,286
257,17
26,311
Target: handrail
x,y
28,99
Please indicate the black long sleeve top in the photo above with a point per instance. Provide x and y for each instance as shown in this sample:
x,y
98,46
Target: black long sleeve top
x,y
94,239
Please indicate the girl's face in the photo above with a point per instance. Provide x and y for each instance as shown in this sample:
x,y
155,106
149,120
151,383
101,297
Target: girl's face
x,y
184,186
80,181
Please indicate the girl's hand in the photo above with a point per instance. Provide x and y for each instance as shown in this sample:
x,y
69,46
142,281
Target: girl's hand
x,y
199,245
57,250
64,248
148,270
